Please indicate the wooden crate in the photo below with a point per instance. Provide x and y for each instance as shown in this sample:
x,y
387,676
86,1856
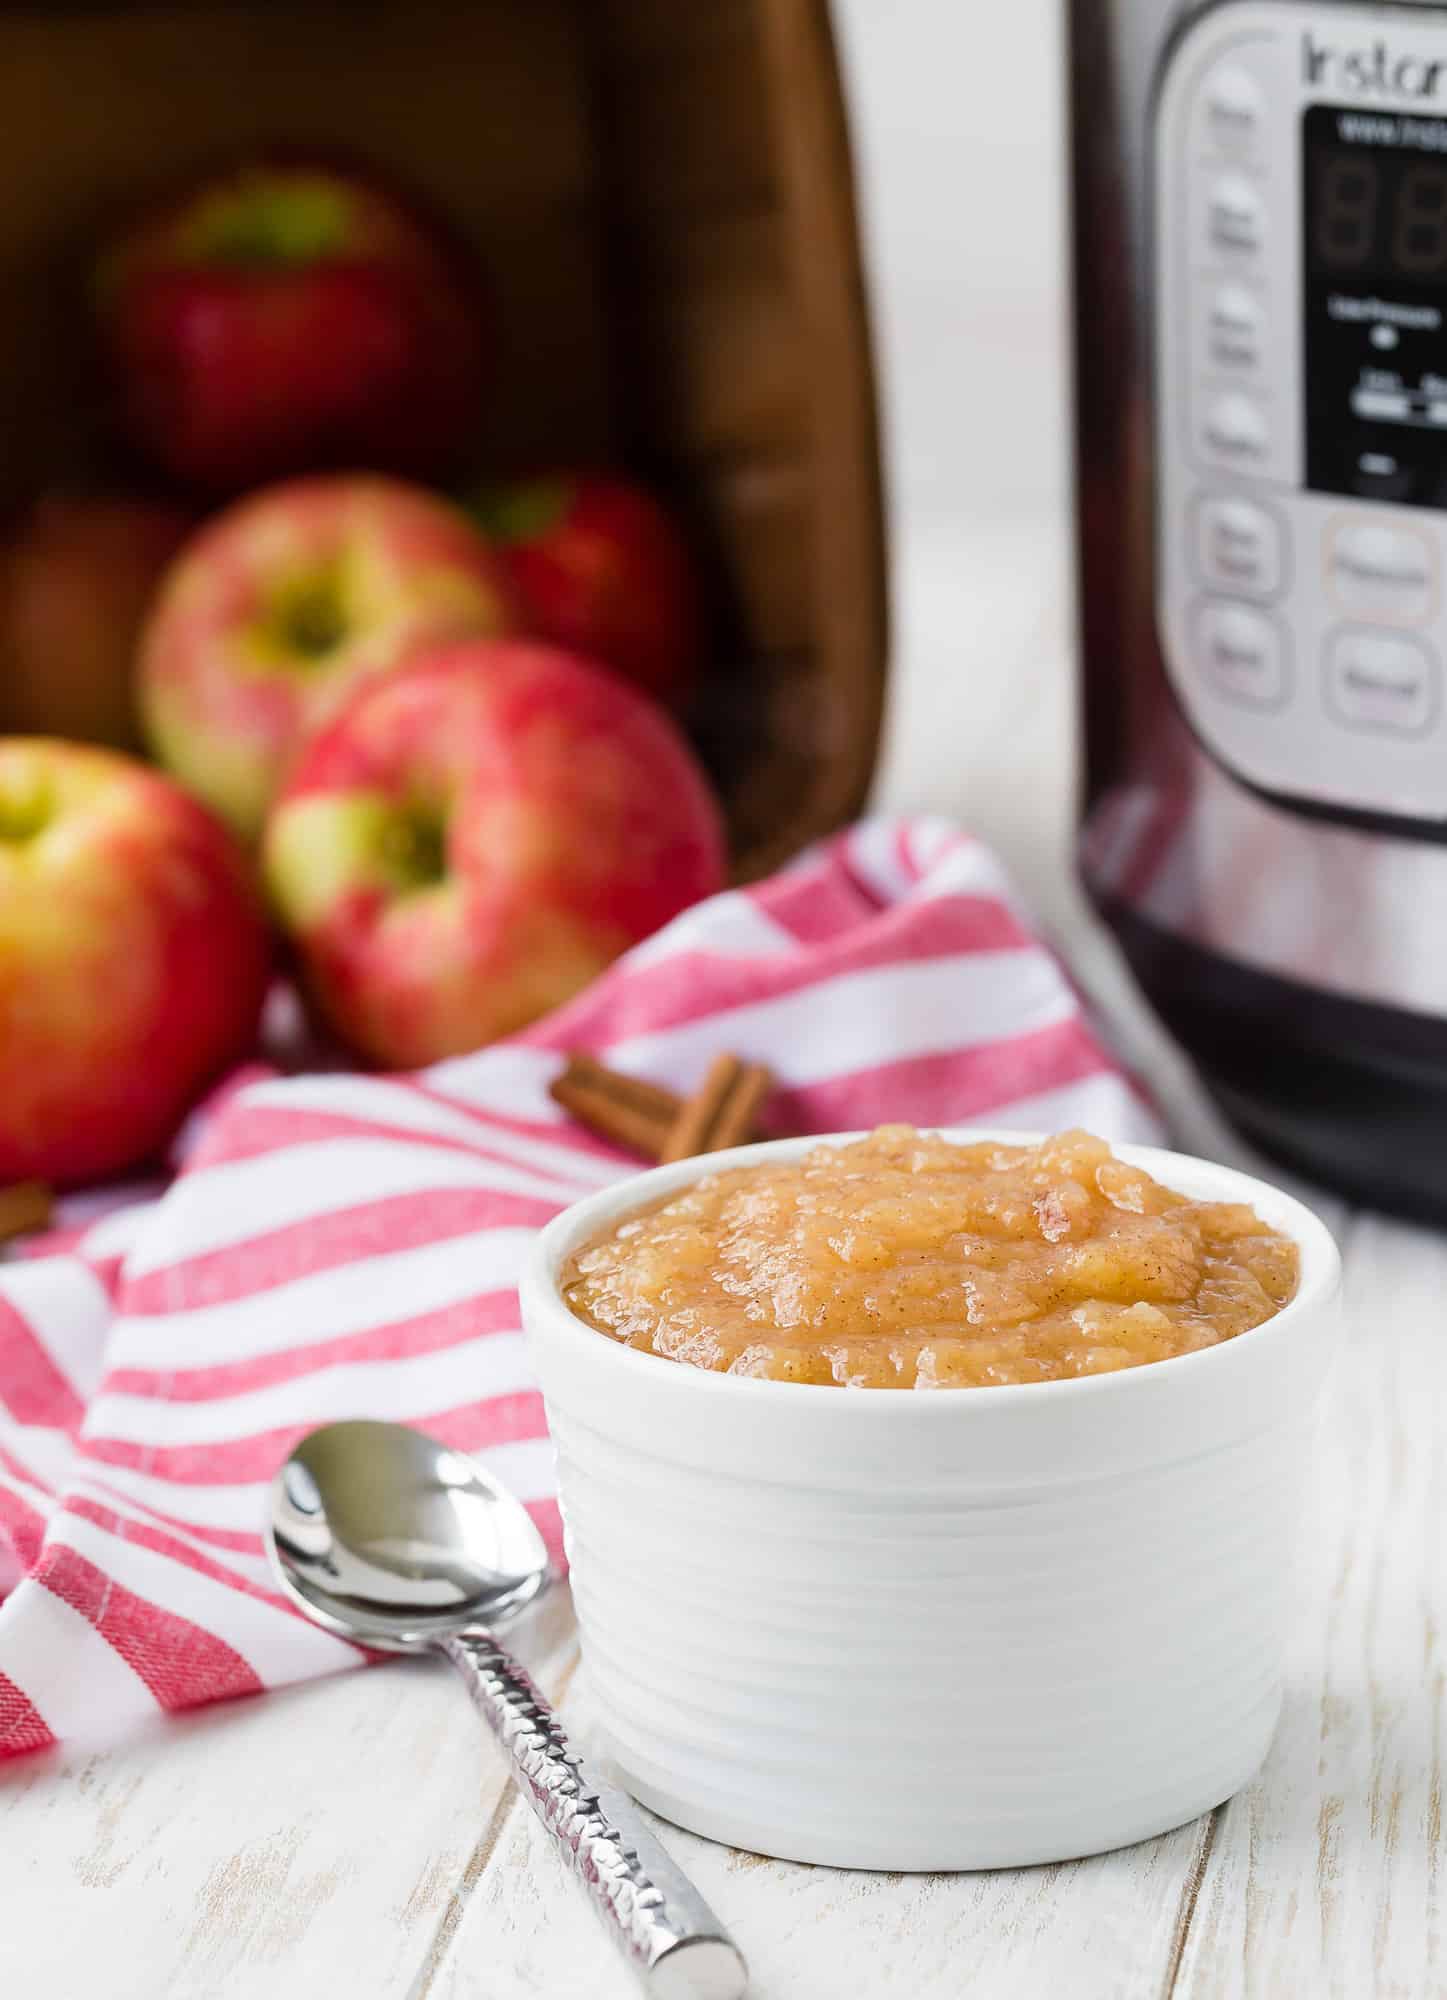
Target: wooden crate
x,y
661,191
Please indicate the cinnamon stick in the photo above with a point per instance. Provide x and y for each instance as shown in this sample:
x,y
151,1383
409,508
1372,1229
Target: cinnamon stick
x,y
634,1091
734,1125
689,1133
656,1122
610,1116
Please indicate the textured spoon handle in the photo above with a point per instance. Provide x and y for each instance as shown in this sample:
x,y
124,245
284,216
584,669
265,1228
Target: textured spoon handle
x,y
654,1913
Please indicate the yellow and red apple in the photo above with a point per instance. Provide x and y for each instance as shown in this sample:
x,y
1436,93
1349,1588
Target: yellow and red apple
x,y
77,576
290,313
133,959
477,836
275,611
598,565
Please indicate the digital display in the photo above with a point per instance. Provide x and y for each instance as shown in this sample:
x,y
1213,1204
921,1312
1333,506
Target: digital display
x,y
1374,296
1373,210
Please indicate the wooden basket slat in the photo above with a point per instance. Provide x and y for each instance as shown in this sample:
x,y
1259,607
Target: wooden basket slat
x,y
720,368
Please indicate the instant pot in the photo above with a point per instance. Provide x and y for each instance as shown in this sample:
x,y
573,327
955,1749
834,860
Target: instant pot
x,y
1260,244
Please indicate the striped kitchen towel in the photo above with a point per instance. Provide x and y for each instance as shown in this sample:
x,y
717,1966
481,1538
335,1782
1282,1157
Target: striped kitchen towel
x,y
343,1245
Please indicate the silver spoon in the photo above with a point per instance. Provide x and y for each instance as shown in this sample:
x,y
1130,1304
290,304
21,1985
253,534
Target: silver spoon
x,y
396,1542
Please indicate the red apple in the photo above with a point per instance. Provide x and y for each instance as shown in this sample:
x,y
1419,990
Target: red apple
x,y
76,581
279,606
599,566
290,313
477,836
133,959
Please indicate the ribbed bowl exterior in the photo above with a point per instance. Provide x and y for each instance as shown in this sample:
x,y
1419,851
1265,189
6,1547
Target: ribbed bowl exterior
x,y
959,1629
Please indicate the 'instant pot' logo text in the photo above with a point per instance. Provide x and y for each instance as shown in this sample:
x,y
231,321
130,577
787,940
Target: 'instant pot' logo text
x,y
1371,69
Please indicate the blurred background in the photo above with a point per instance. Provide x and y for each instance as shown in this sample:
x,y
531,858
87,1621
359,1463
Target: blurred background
x,y
961,187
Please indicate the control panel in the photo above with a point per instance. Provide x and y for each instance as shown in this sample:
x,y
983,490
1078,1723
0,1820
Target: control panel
x,y
1300,258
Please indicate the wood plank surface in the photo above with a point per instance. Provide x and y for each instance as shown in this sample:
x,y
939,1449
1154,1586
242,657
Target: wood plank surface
x,y
316,1841
1324,1880
1095,1929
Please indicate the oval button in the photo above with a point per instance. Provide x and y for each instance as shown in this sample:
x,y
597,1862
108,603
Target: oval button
x,y
1241,653
1233,430
1235,108
1381,571
1239,546
1235,217
1381,681
1233,328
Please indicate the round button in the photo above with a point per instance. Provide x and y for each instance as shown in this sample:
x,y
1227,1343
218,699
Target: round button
x,y
1241,653
1234,327
1380,681
1380,571
1233,430
1235,217
1235,108
1239,546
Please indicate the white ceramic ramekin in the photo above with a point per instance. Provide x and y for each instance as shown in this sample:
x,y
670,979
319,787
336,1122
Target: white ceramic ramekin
x,y
961,1628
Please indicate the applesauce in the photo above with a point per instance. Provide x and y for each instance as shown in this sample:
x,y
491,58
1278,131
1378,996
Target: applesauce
x,y
903,1261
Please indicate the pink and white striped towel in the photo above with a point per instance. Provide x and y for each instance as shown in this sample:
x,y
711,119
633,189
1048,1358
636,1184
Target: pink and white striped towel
x,y
346,1245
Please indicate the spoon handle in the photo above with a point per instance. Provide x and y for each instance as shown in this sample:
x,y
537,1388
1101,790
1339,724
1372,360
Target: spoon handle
x,y
651,1909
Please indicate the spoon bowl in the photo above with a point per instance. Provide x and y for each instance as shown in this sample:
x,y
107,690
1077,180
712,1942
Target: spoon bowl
x,y
392,1540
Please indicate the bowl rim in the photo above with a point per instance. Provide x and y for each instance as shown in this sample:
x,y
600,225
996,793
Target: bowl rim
x,y
541,1296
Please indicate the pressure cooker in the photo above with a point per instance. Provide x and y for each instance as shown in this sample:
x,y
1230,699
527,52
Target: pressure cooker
x,y
1260,277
